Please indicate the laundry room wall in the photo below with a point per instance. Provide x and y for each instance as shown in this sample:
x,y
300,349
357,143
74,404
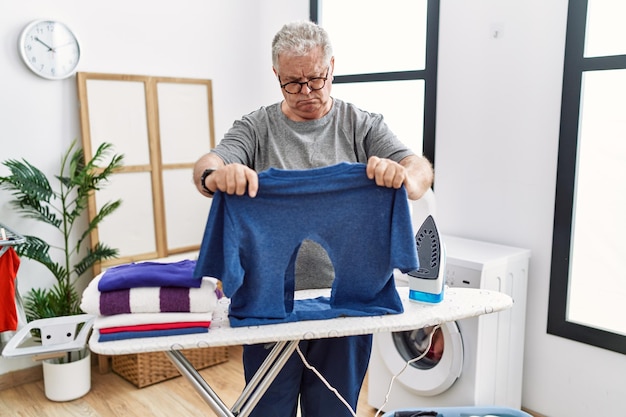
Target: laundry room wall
x,y
499,100
226,41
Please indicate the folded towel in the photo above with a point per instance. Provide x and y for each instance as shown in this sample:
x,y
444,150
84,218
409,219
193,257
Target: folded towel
x,y
154,333
118,320
150,299
156,326
150,274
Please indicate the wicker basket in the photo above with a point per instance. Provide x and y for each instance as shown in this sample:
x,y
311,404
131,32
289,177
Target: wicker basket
x,y
145,369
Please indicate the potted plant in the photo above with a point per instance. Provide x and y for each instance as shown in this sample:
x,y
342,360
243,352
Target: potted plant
x,y
63,208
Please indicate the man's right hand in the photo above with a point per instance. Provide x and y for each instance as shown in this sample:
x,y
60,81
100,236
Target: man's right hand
x,y
229,179
234,179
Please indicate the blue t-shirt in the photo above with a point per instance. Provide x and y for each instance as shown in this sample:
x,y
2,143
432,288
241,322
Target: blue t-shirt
x,y
251,244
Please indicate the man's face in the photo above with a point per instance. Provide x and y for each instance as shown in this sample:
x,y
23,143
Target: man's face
x,y
307,104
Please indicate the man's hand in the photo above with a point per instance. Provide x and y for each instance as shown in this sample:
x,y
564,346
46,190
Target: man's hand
x,y
229,179
413,171
385,172
234,179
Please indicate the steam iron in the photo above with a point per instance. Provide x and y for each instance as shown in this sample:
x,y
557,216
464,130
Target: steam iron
x,y
426,283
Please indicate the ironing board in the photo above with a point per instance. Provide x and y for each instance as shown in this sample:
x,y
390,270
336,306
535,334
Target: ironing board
x,y
458,303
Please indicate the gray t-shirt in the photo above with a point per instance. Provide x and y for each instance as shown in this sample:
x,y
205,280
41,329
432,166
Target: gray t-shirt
x,y
266,138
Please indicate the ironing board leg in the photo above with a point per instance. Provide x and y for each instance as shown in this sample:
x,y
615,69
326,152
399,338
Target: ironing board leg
x,y
206,392
253,391
264,377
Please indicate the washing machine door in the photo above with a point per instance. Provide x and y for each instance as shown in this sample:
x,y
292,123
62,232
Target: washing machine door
x,y
437,370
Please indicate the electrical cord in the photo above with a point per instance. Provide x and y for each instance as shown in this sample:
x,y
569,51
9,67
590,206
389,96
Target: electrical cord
x,y
324,381
406,365
343,400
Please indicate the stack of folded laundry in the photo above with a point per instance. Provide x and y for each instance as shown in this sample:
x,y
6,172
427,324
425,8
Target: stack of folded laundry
x,y
150,299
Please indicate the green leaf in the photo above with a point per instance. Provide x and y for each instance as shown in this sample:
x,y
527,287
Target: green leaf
x,y
26,182
98,254
60,300
104,212
32,193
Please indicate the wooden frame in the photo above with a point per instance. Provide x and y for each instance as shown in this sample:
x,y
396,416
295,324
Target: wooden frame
x,y
161,125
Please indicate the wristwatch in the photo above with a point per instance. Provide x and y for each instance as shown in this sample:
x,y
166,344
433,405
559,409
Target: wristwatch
x,y
205,174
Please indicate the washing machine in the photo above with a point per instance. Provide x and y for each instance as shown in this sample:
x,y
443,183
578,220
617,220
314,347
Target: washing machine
x,y
479,360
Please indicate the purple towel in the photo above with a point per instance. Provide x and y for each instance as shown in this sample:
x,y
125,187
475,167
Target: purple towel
x,y
115,302
150,274
171,300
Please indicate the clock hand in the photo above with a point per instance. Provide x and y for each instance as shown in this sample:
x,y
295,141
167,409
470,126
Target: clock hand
x,y
44,44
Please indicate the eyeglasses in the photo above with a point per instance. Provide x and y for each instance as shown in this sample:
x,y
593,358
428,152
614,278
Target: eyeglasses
x,y
294,87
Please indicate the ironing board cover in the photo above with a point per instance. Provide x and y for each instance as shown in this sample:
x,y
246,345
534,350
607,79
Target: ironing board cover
x,y
458,303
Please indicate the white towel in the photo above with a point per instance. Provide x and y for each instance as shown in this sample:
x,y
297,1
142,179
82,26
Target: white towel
x,y
133,319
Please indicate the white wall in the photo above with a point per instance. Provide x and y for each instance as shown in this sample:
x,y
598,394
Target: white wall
x,y
497,133
497,141
226,41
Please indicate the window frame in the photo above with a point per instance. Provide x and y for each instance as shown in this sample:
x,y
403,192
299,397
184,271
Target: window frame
x,y
428,74
575,65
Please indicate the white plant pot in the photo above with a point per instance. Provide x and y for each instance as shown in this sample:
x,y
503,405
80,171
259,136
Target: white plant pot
x,y
67,381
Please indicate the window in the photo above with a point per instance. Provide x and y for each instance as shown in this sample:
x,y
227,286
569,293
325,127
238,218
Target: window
x,y
386,61
588,277
157,123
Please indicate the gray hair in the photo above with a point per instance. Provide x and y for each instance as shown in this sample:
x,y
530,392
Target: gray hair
x,y
298,39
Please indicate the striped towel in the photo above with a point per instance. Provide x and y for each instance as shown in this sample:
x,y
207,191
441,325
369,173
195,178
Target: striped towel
x,y
150,299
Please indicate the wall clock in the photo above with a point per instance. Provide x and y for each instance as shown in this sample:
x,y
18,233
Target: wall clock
x,y
50,49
